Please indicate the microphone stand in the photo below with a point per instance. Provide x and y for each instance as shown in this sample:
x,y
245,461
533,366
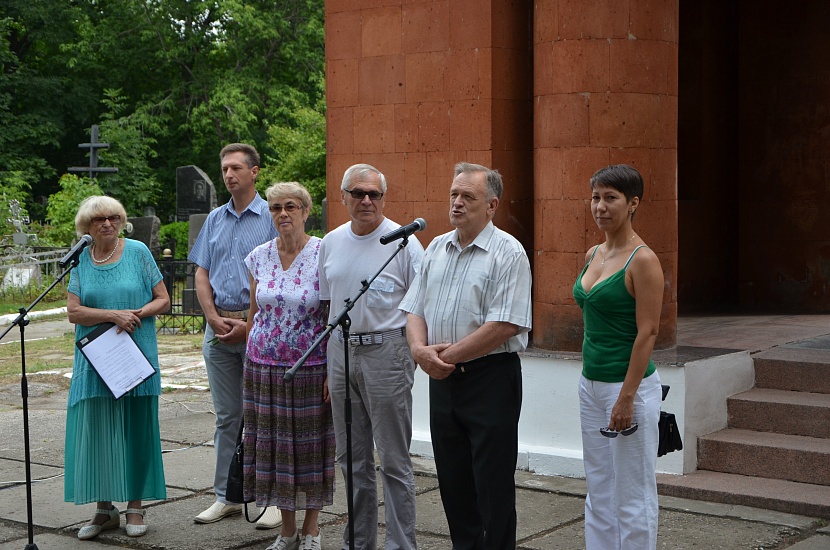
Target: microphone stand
x,y
345,322
21,321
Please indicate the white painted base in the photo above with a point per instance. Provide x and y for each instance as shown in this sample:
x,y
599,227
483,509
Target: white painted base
x,y
550,442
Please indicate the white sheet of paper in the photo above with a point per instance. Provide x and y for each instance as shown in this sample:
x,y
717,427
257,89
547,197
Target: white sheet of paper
x,y
118,360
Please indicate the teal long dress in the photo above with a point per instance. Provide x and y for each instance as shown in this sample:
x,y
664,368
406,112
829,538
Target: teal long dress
x,y
113,448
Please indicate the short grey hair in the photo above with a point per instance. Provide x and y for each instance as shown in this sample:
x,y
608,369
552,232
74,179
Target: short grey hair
x,y
288,190
358,171
98,205
495,186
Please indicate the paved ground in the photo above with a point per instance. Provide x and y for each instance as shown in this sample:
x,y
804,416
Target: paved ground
x,y
550,508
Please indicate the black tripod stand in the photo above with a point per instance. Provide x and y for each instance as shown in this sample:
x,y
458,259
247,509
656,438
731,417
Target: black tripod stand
x,y
21,321
344,322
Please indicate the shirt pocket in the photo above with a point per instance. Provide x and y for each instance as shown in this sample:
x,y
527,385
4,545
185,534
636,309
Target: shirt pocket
x,y
476,293
381,294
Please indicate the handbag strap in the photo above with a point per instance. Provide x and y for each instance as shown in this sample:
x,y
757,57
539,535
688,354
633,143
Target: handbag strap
x,y
257,518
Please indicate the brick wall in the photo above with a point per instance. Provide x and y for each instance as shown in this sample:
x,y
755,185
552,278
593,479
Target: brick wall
x,y
547,92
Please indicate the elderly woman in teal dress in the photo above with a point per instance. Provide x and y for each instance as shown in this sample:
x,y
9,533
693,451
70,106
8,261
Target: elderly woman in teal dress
x,y
113,447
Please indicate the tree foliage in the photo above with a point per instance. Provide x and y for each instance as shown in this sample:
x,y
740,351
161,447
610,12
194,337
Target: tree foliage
x,y
63,206
168,81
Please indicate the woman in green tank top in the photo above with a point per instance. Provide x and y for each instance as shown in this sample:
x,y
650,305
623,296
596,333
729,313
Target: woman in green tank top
x,y
620,291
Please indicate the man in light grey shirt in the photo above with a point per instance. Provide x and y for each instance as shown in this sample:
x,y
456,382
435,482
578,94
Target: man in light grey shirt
x,y
468,315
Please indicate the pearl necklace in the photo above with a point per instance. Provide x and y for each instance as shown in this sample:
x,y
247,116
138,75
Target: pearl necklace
x,y
114,248
604,257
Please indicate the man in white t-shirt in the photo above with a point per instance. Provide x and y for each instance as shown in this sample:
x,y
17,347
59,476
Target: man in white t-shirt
x,y
381,369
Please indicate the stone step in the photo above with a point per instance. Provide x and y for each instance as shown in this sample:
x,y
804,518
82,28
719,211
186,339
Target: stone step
x,y
771,494
765,454
806,370
781,411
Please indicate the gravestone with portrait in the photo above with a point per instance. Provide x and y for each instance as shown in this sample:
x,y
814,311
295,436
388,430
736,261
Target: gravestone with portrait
x,y
195,193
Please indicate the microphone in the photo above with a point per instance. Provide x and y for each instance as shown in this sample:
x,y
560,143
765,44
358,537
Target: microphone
x,y
73,254
403,232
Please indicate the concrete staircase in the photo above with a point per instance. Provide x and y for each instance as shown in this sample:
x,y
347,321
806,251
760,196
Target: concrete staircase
x,y
775,451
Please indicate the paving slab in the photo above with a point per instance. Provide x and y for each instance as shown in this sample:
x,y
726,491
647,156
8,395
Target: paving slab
x,y
818,542
47,430
13,472
733,511
51,541
12,531
48,507
539,512
190,468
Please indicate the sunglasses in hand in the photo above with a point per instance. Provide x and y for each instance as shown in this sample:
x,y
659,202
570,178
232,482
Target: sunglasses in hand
x,y
613,433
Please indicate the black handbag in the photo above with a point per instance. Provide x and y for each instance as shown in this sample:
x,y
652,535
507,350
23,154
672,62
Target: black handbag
x,y
669,434
668,430
234,491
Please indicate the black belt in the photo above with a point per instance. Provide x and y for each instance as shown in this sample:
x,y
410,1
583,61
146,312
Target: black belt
x,y
483,361
372,338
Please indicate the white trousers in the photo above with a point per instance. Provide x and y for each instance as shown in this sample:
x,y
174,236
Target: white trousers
x,y
621,506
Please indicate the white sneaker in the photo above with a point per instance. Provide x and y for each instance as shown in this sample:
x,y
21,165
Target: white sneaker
x,y
218,511
286,543
312,543
271,519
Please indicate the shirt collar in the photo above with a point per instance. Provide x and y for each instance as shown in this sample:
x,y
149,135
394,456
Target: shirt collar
x,y
482,240
253,207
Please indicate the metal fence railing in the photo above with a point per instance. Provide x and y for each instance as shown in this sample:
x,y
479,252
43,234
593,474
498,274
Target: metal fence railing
x,y
185,313
26,272
24,275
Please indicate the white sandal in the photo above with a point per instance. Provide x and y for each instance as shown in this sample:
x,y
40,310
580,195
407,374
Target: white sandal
x,y
136,530
91,531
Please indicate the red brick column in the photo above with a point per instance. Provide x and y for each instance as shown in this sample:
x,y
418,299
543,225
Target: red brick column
x,y
605,87
414,87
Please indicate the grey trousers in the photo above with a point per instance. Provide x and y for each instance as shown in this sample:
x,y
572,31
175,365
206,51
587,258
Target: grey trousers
x,y
224,370
380,385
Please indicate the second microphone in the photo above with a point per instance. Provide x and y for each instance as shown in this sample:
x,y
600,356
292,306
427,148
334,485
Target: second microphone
x,y
405,231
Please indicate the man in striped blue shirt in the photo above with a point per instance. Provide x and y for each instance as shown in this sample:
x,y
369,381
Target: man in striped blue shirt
x,y
229,234
469,313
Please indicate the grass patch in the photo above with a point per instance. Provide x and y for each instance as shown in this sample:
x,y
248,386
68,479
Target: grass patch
x,y
44,354
12,299
58,352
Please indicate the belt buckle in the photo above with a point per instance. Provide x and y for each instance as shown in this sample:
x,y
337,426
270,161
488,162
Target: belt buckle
x,y
366,339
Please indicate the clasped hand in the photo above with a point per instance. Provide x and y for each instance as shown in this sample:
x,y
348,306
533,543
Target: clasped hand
x,y
127,319
229,331
429,359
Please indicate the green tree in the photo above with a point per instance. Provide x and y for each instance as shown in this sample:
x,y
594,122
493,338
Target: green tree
x,y
63,206
168,81
298,150
131,151
41,99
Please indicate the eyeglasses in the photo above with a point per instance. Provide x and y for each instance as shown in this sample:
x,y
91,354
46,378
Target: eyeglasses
x,y
290,207
358,194
100,220
611,433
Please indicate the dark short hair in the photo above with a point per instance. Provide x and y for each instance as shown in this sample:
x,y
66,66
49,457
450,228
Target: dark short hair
x,y
622,177
251,156
495,186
